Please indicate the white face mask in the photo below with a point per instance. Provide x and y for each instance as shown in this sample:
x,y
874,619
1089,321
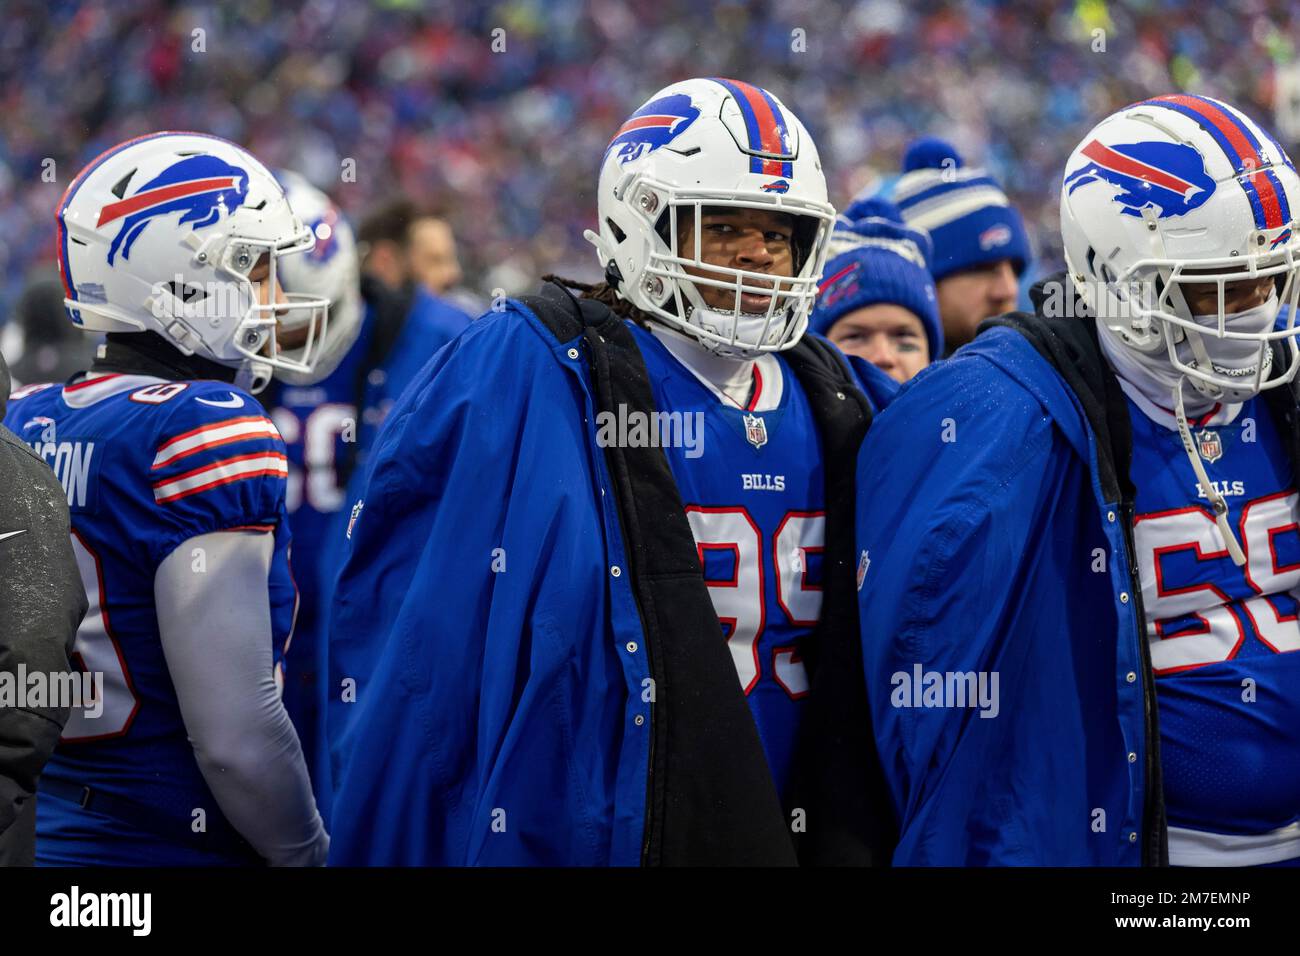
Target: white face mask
x,y
1154,375
744,326
1234,358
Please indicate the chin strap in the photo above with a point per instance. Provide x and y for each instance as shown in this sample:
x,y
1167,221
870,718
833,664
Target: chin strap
x,y
1207,489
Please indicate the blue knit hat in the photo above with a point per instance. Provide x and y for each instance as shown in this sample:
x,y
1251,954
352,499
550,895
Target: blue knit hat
x,y
967,214
875,258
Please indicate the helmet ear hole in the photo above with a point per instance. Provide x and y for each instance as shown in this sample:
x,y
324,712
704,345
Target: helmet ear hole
x,y
618,234
1090,260
613,274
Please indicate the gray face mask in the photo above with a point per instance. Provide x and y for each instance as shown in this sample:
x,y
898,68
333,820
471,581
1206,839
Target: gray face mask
x,y
1232,358
1155,376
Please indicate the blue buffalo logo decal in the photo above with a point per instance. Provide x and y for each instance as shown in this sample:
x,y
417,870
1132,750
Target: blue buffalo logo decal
x,y
200,187
656,124
325,230
1170,177
780,186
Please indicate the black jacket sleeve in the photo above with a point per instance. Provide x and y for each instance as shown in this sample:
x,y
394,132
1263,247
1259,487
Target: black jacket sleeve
x,y
42,602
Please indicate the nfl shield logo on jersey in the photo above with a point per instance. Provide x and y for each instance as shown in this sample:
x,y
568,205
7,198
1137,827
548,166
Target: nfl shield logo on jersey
x,y
1208,444
755,430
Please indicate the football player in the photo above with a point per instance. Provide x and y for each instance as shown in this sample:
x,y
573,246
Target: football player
x,y
602,540
1079,622
171,244
376,342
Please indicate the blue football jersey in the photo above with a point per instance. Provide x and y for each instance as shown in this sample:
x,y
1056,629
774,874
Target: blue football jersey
x,y
147,464
1221,636
752,483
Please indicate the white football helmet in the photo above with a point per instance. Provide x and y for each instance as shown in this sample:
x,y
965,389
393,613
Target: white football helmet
x,y
330,271
160,234
1181,190
703,143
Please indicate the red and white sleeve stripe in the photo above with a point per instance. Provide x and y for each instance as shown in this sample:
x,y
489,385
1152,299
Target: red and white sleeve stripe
x,y
210,436
221,472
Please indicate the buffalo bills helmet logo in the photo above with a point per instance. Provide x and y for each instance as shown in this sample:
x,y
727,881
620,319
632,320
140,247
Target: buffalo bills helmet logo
x,y
324,229
1170,177
656,124
199,187
780,186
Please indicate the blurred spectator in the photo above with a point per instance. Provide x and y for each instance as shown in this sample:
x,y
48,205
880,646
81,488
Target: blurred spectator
x,y
383,242
40,343
374,98
402,243
432,254
388,251
877,300
980,246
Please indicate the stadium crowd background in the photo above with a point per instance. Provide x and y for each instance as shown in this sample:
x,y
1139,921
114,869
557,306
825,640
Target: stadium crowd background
x,y
508,143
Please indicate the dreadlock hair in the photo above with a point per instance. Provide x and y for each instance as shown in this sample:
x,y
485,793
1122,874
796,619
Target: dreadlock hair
x,y
604,293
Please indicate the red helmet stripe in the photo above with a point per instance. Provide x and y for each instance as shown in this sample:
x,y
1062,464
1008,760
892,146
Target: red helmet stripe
x,y
116,210
769,138
1099,152
641,122
1250,157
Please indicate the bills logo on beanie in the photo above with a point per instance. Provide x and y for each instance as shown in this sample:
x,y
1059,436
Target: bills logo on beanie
x,y
873,258
965,211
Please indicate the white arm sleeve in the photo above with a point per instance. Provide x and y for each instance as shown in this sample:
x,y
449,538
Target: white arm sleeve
x,y
215,625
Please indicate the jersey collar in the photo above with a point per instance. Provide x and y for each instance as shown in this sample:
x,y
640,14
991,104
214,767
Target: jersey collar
x,y
88,388
754,385
1219,414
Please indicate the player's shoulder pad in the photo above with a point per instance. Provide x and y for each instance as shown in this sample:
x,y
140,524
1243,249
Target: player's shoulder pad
x,y
495,374
507,336
213,435
964,414
989,384
26,391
